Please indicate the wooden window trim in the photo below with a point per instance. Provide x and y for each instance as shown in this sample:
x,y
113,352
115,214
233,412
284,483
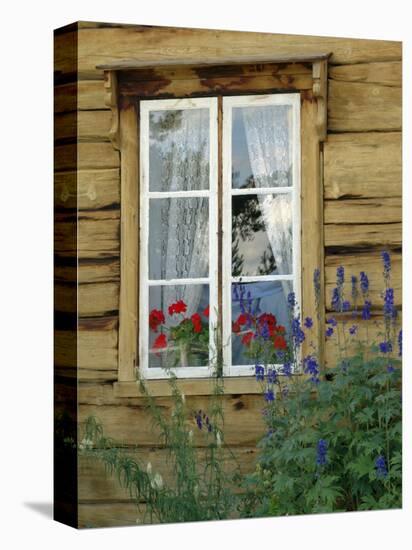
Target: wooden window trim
x,y
127,82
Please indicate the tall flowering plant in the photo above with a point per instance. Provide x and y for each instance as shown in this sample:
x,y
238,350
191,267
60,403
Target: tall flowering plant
x,y
333,440
183,339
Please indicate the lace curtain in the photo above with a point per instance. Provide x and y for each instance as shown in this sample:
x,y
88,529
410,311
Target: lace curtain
x,y
268,143
184,154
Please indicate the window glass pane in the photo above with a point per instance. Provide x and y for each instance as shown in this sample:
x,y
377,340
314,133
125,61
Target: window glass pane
x,y
179,326
262,140
179,150
251,301
178,238
262,235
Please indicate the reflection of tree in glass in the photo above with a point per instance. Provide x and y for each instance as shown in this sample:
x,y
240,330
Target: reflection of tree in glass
x,y
267,262
163,122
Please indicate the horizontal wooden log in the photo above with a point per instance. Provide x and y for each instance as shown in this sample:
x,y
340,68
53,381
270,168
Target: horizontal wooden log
x,y
114,514
98,485
383,73
88,271
363,235
106,45
95,189
132,425
89,155
87,126
360,107
90,95
357,211
343,345
363,165
371,264
93,299
87,375
97,234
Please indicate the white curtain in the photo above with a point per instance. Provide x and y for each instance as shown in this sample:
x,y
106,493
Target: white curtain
x,y
184,221
269,148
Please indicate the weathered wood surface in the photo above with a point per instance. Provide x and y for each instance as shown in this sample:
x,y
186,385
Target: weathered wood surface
x,y
363,165
357,211
97,485
89,96
383,73
87,126
363,235
95,189
88,271
113,514
371,264
131,424
106,45
97,234
93,299
354,106
89,156
368,332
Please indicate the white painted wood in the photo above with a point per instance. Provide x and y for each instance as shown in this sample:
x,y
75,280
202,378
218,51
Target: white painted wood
x,y
245,101
145,196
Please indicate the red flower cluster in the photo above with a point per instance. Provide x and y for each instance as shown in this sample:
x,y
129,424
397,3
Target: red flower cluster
x,y
197,322
240,321
160,342
177,307
279,342
206,311
156,318
266,321
247,338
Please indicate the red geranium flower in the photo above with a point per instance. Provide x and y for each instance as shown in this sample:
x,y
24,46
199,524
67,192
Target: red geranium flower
x,y
280,329
156,318
247,338
206,311
197,322
268,318
177,307
236,327
160,342
279,342
242,319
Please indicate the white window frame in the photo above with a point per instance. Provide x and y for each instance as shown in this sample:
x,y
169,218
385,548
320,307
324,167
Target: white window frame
x,y
146,107
248,101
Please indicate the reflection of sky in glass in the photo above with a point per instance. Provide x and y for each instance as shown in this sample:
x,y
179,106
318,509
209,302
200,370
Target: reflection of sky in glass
x,y
240,155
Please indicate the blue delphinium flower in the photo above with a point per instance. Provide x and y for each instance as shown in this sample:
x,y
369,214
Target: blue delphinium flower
x,y
340,275
259,372
346,305
354,287
265,333
198,417
321,455
291,300
236,292
390,368
298,335
364,283
386,264
310,366
308,322
287,369
366,310
316,286
271,376
332,321
385,347
380,465
269,395
336,301
329,332
389,309
353,329
400,343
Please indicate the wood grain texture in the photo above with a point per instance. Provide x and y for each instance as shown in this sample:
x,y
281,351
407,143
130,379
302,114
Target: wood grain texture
x,y
111,44
371,264
97,234
354,107
106,270
85,156
95,189
382,73
113,514
132,425
363,235
363,165
357,211
93,299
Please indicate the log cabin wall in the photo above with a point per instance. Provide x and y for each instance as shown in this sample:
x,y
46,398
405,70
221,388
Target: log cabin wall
x,y
362,215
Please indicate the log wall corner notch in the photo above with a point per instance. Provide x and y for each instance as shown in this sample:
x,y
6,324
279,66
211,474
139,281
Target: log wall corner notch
x,y
111,101
320,93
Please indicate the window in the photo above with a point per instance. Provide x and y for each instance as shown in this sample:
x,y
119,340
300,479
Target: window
x,y
179,228
221,197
